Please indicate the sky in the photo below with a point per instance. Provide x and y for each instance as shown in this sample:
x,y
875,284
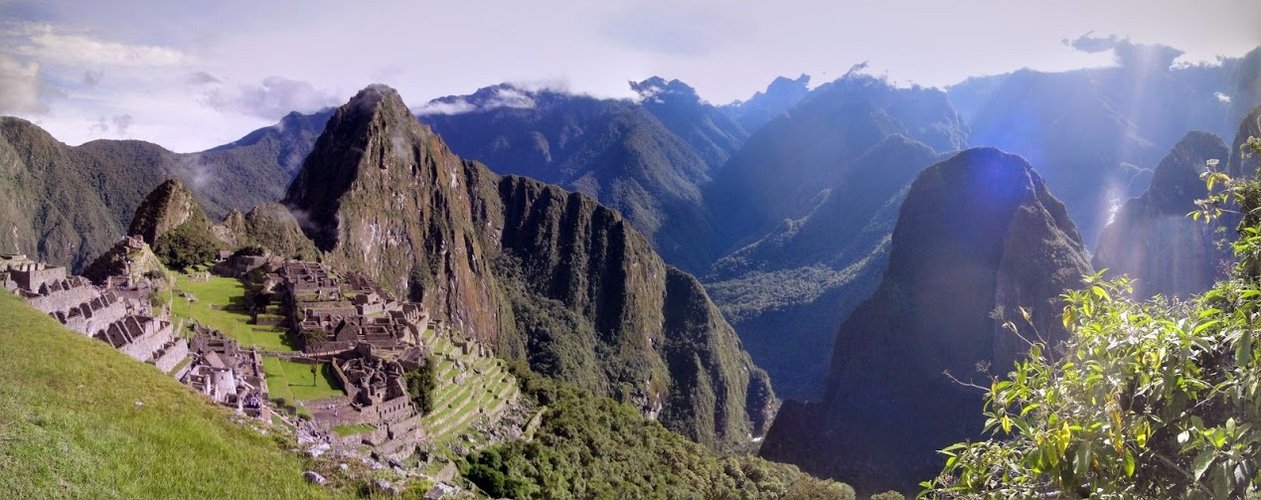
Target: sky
x,y
193,75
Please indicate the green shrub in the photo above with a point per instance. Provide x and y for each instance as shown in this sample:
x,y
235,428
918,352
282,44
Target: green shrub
x,y
188,245
421,384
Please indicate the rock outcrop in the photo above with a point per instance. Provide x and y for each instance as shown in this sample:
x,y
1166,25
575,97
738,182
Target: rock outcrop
x,y
1152,239
546,275
977,238
167,207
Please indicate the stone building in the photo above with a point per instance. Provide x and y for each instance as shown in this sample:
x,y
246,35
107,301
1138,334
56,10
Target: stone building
x,y
378,393
332,314
226,374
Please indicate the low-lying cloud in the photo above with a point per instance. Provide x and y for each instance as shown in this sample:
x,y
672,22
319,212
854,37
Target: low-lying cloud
x,y
271,99
21,87
499,97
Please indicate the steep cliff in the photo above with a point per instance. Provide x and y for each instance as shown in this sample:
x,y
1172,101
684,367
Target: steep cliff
x,y
1151,238
615,151
977,238
548,276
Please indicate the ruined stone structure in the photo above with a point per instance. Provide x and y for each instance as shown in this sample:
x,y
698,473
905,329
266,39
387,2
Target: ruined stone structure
x,y
226,374
331,314
378,392
116,314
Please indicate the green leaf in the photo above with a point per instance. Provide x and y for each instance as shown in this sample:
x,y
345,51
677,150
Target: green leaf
x,y
1081,463
1129,463
1243,351
1202,462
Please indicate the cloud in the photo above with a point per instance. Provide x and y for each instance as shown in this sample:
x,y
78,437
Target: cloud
x,y
92,78
689,29
486,99
50,45
117,125
1128,54
271,99
21,87
1222,97
202,78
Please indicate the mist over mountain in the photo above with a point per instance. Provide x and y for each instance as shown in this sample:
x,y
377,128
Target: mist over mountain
x,y
978,237
545,275
787,292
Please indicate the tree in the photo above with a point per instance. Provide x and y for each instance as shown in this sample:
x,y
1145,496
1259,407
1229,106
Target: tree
x,y
1155,399
421,384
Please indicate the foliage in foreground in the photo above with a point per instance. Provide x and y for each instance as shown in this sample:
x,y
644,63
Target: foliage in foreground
x,y
595,447
1153,399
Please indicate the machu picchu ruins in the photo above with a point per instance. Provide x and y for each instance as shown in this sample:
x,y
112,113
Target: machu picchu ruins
x,y
342,325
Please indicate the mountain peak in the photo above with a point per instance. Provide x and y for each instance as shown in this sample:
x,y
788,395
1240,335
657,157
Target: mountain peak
x,y
375,99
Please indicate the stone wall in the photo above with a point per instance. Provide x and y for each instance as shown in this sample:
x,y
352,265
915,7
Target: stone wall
x,y
170,355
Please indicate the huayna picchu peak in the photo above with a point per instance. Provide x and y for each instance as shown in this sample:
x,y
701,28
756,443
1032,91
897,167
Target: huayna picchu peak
x,y
978,241
547,276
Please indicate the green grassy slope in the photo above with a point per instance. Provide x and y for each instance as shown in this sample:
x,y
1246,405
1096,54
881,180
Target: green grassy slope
x,y
219,305
70,426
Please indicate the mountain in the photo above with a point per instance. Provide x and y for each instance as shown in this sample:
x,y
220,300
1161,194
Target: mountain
x,y
786,164
1094,133
787,292
978,237
68,204
1250,127
711,132
546,275
166,208
1153,240
782,94
616,151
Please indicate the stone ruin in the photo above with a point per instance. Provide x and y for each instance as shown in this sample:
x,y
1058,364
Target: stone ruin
x,y
107,313
377,390
226,374
333,314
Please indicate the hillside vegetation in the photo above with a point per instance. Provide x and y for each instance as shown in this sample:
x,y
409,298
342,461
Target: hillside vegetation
x,y
595,447
81,420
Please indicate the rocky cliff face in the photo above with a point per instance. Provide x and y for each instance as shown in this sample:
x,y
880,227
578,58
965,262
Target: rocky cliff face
x,y
978,237
272,227
615,151
167,207
1151,238
548,276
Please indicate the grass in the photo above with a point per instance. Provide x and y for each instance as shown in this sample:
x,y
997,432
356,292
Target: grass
x,y
70,426
227,295
350,430
292,380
